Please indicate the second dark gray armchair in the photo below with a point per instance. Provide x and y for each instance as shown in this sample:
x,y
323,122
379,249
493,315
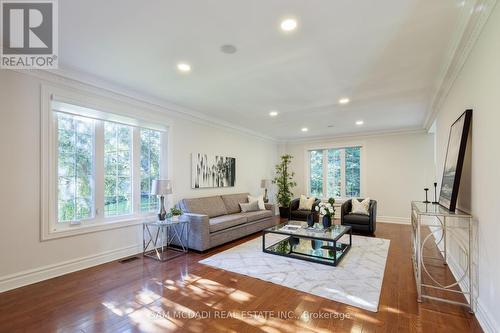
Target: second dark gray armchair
x,y
359,222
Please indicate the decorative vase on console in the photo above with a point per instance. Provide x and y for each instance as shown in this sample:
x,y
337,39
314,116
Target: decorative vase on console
x,y
327,211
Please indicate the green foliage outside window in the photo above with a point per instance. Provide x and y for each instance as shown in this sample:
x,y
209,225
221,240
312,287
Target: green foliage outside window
x,y
316,180
75,137
352,172
332,174
117,169
150,167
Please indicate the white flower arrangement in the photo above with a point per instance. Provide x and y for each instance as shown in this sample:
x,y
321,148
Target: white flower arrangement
x,y
325,208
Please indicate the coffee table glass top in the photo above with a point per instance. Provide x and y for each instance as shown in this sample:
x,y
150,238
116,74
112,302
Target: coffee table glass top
x,y
300,229
295,239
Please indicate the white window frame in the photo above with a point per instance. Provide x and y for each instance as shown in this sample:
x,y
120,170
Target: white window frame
x,y
325,148
112,110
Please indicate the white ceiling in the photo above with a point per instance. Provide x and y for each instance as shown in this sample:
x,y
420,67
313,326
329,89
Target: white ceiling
x,y
386,56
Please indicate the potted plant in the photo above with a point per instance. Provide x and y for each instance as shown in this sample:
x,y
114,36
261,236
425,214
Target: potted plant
x,y
174,213
285,183
327,211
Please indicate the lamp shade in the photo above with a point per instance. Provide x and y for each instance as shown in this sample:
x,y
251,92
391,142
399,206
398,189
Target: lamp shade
x,y
264,183
161,187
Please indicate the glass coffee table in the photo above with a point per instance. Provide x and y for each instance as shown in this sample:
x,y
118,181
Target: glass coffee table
x,y
295,239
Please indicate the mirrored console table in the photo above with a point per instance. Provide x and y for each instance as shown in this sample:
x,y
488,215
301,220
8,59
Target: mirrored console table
x,y
431,227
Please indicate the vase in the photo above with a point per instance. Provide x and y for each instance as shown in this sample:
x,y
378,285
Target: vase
x,y
327,221
316,244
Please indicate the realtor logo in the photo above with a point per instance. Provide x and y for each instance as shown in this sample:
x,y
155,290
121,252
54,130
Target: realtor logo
x,y
29,34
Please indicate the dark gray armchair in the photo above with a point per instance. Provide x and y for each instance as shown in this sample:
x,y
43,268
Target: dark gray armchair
x,y
301,215
359,222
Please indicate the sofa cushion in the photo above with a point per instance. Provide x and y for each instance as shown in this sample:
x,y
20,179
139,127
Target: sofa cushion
x,y
252,206
211,206
260,201
353,218
362,207
232,202
226,221
306,203
258,215
300,214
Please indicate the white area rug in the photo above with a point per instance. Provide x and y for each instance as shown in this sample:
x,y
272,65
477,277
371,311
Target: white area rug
x,y
356,281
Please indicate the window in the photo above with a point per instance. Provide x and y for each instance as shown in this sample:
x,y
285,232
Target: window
x,y
335,172
100,176
117,169
334,183
316,179
352,172
150,168
75,172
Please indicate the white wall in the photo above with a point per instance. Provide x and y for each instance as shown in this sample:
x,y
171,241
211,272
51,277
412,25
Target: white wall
x,y
22,252
477,87
395,169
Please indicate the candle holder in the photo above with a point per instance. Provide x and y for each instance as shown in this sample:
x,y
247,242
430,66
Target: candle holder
x,y
435,194
426,199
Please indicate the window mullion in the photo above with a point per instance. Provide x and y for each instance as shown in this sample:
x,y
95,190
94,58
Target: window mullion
x,y
99,170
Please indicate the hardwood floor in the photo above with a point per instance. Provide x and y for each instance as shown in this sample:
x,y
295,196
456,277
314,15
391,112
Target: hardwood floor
x,y
144,295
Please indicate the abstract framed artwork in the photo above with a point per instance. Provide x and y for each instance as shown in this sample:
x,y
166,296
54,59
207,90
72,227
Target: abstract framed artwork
x,y
455,153
210,171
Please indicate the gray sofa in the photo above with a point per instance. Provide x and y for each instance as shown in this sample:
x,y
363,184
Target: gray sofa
x,y
218,219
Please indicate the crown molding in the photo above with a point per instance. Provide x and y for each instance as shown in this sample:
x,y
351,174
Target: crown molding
x,y
475,14
94,85
91,84
363,135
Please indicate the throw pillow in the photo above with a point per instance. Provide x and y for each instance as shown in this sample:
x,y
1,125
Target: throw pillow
x,y
249,207
360,207
306,203
259,200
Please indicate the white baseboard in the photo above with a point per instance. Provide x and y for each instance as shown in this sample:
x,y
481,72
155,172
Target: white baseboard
x,y
485,319
393,219
483,316
31,276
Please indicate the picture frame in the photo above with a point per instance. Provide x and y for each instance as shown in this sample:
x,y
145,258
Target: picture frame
x,y
212,171
455,154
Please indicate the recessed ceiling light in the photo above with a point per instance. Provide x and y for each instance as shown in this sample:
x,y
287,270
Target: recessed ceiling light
x,y
184,67
289,24
344,100
304,129
360,122
228,49
273,113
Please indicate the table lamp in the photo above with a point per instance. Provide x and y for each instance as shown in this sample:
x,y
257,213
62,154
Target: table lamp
x,y
161,187
264,183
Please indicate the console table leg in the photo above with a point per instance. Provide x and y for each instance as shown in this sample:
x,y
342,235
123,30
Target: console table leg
x,y
471,286
445,236
419,261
